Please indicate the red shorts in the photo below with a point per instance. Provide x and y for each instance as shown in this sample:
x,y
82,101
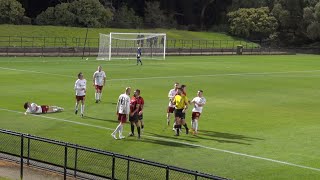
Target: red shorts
x,y
170,109
99,87
122,118
195,115
44,108
80,98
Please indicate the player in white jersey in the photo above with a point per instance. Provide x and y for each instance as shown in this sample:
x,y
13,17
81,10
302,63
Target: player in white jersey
x,y
80,87
123,110
99,80
33,108
171,106
198,102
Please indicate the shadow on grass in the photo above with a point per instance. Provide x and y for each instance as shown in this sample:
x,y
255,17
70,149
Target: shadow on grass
x,y
181,137
221,140
100,119
226,137
160,142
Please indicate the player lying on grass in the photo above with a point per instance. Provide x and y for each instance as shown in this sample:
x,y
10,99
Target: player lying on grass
x,y
33,108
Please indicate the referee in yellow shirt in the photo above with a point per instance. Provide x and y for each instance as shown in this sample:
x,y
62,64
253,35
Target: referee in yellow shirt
x,y
181,103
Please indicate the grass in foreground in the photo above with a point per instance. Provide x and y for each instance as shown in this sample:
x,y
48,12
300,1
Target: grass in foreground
x,y
261,106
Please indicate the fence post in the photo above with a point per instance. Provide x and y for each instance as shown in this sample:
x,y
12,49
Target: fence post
x,y
65,161
167,173
113,166
28,151
196,176
128,168
75,162
21,158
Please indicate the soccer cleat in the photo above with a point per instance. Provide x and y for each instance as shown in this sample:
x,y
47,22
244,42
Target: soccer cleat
x,y
122,137
82,115
114,136
76,112
139,137
131,134
97,101
187,130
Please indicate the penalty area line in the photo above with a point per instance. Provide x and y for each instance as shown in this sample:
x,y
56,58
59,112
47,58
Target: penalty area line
x,y
169,140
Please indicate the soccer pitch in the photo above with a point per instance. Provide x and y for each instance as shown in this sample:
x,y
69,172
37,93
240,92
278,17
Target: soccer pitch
x,y
261,119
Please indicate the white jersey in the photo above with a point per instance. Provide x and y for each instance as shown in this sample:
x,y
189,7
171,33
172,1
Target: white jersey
x,y
172,93
34,109
198,100
123,106
79,85
98,77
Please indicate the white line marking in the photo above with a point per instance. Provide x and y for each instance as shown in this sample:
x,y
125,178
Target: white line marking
x,y
184,143
170,77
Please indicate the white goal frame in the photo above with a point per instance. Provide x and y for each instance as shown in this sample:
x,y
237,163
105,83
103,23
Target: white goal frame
x,y
106,46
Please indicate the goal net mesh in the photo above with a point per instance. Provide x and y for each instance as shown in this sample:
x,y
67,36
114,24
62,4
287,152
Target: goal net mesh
x,y
125,45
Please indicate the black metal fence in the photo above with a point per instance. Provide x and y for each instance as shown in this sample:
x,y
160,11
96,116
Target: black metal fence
x,y
84,162
76,42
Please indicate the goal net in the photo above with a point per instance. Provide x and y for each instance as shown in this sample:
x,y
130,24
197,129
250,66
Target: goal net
x,y
125,46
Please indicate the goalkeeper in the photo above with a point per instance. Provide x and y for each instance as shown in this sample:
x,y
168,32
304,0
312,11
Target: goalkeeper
x,y
139,56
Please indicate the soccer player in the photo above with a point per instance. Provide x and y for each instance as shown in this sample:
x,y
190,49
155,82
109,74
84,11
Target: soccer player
x,y
99,80
140,102
33,108
171,106
80,87
198,102
183,118
139,53
133,118
181,103
123,110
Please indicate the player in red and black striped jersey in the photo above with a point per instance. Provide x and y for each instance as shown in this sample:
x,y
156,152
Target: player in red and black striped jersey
x,y
133,117
141,105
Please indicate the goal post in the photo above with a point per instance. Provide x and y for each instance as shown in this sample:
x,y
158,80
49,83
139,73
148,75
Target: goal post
x,y
124,45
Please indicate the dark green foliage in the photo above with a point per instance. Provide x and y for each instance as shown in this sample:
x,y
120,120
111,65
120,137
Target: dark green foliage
x,y
154,16
84,13
252,23
125,18
11,12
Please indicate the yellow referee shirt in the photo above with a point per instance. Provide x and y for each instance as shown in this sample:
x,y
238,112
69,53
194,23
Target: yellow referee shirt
x,y
180,101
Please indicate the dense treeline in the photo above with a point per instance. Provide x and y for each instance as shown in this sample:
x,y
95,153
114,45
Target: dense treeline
x,y
291,22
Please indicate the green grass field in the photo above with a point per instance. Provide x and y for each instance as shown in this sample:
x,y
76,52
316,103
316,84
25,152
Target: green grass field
x,y
261,120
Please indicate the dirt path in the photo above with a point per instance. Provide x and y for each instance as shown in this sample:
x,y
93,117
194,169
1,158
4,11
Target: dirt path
x,y
11,170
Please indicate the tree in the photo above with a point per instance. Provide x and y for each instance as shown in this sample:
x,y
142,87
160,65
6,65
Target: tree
x,y
154,16
311,19
90,13
12,12
83,13
125,18
253,23
313,31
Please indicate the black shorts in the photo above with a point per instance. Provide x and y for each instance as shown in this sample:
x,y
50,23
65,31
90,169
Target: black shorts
x,y
179,113
133,118
140,117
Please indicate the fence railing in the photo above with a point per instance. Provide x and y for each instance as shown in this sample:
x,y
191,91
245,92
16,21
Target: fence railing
x,y
76,42
85,162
